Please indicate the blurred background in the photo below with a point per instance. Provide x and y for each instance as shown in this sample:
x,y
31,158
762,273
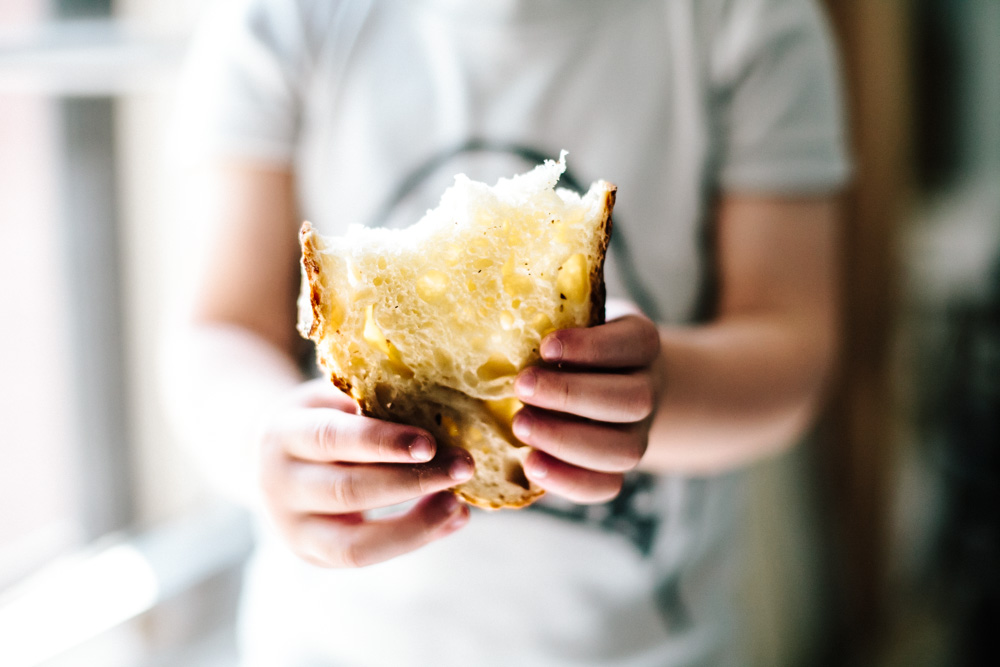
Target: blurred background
x,y
114,552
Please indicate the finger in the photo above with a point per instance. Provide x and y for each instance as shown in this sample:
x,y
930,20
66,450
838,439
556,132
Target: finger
x,y
323,488
571,482
628,342
593,445
617,398
326,435
331,541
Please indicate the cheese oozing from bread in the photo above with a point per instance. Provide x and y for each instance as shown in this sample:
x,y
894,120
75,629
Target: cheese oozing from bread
x,y
429,325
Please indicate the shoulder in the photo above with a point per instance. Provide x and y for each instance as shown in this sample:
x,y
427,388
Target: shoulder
x,y
740,33
295,34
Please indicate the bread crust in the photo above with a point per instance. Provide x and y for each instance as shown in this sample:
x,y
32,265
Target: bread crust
x,y
520,503
309,326
312,325
598,290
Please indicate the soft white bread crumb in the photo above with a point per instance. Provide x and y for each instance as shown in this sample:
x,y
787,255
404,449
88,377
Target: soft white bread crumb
x,y
429,325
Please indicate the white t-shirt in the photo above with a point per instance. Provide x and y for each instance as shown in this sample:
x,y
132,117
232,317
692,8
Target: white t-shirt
x,y
376,105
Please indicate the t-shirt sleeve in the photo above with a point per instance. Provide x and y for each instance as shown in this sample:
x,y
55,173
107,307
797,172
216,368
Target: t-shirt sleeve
x,y
239,94
778,99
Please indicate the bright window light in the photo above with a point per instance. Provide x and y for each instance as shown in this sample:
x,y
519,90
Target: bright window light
x,y
72,602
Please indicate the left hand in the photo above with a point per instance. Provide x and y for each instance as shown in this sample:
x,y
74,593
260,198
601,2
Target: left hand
x,y
589,407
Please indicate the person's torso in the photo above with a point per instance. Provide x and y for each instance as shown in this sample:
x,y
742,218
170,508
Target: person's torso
x,y
400,97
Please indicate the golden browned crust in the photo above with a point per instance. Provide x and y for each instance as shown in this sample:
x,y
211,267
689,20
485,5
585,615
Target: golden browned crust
x,y
598,290
521,502
311,319
312,327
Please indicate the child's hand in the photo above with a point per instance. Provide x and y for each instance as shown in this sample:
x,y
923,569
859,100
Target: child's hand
x,y
589,408
322,465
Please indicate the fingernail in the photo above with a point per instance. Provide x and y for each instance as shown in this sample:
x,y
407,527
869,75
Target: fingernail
x,y
460,470
522,426
524,385
552,349
536,467
421,448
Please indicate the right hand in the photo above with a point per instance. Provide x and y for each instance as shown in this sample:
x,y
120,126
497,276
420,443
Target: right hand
x,y
322,465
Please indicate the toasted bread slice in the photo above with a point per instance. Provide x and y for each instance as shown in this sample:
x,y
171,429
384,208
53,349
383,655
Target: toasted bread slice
x,y
430,324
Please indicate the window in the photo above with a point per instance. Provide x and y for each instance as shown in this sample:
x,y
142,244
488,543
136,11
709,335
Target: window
x,y
87,465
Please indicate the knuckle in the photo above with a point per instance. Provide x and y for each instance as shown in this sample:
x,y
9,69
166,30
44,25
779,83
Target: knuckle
x,y
591,349
310,556
603,491
614,488
354,555
382,436
555,440
625,461
650,339
643,402
629,454
305,542
320,555
560,390
640,441
325,437
347,491
631,460
423,483
323,543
